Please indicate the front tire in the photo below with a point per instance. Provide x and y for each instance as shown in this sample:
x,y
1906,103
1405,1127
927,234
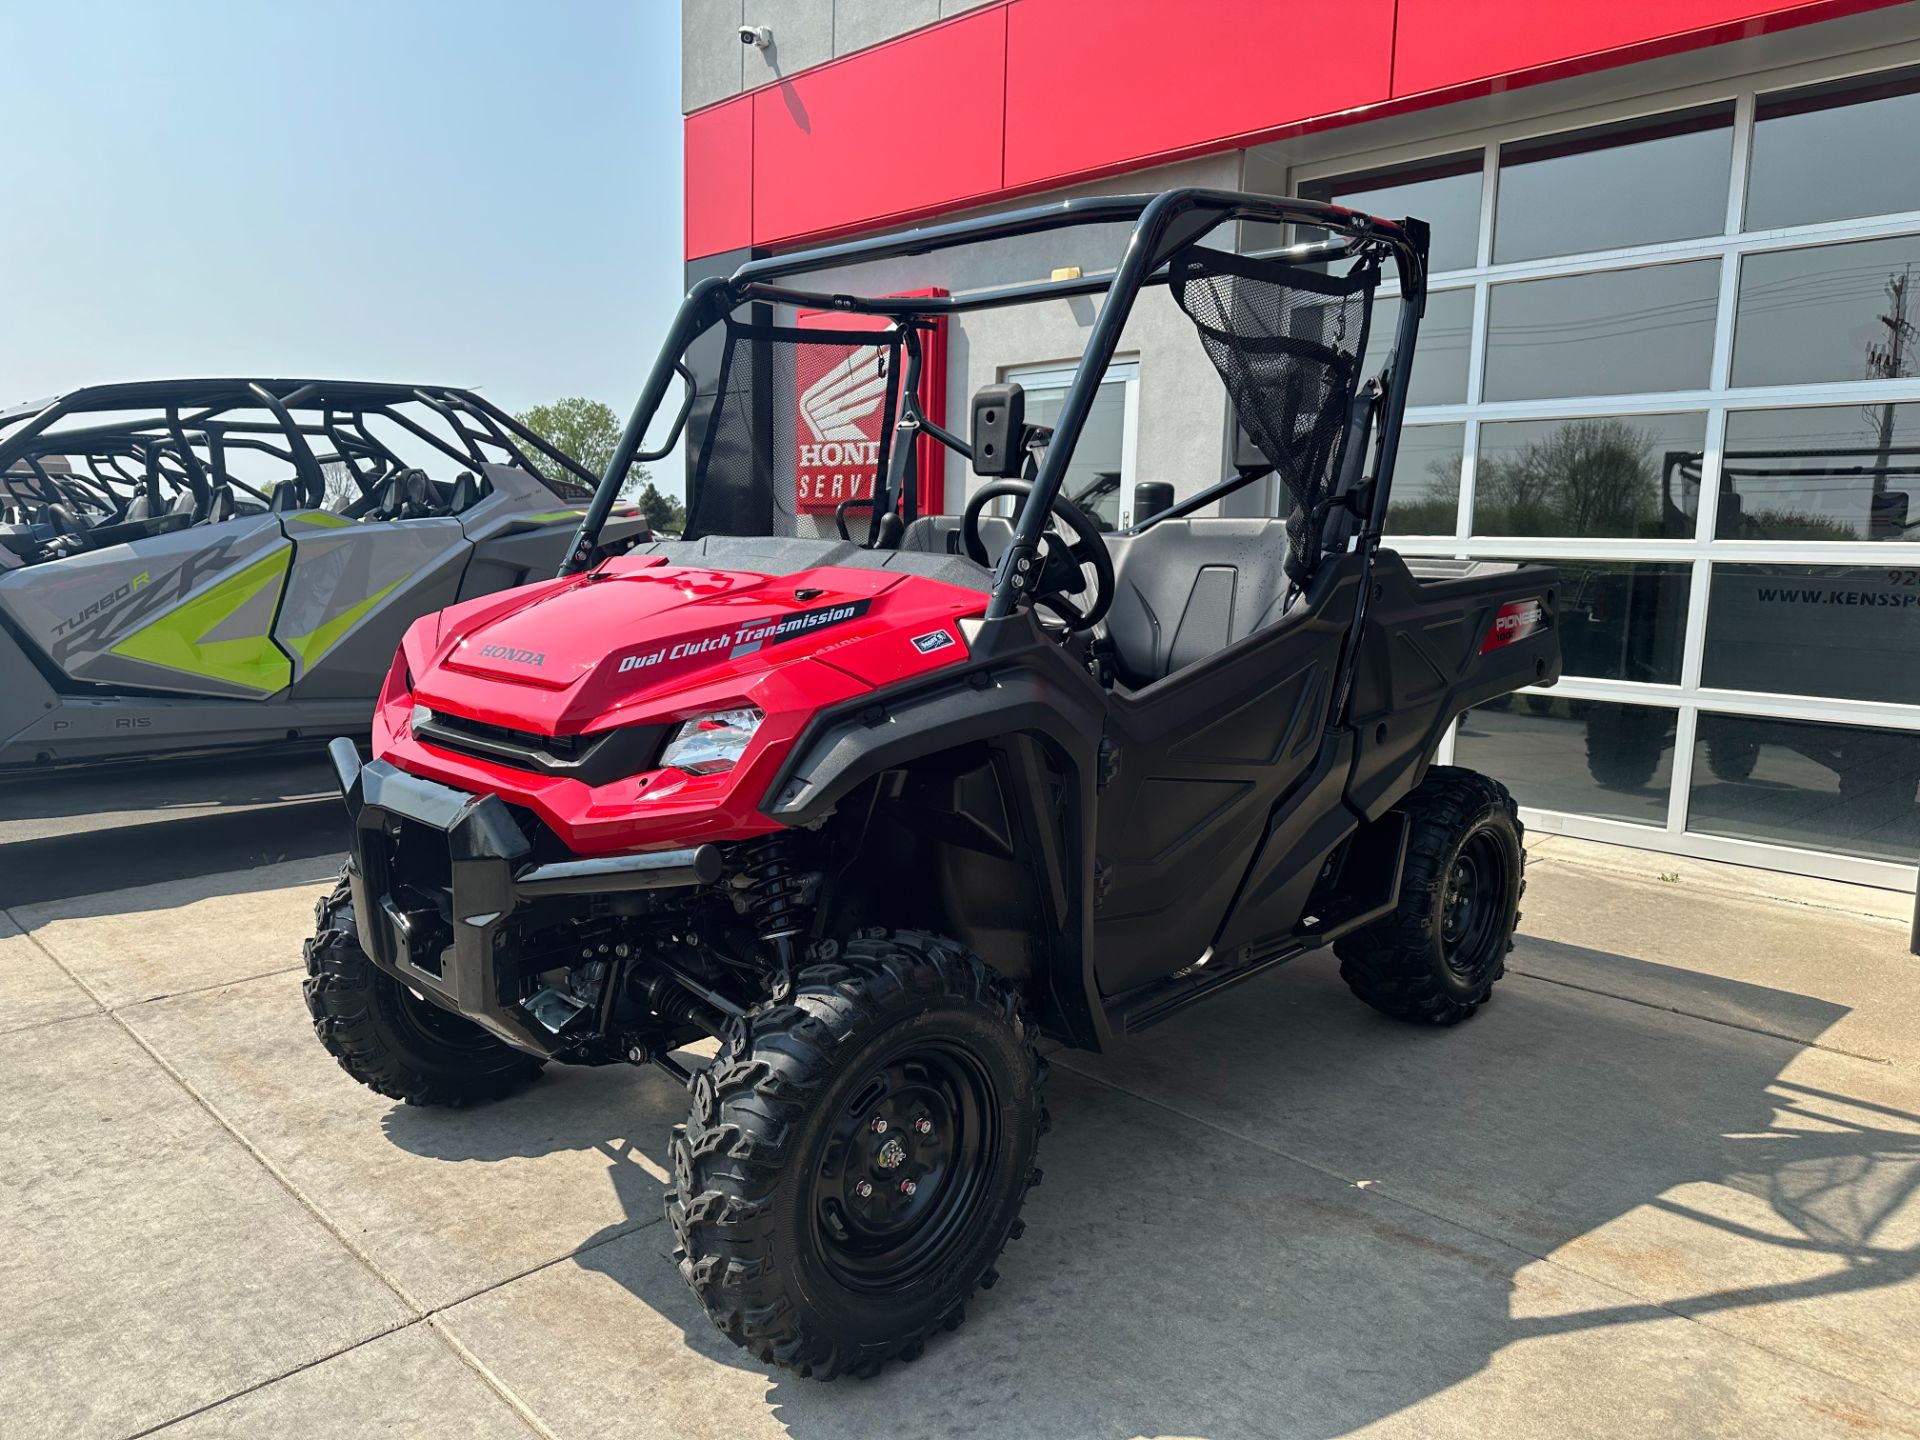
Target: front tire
x,y
390,1039
1435,959
856,1158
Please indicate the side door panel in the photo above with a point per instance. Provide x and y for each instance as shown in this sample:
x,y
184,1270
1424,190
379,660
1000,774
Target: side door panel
x,y
188,613
1200,759
354,588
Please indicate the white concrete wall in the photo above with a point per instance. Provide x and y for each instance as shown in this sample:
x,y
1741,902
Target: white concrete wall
x,y
1183,406
715,65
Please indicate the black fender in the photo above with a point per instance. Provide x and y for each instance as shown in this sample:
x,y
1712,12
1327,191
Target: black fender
x,y
1017,687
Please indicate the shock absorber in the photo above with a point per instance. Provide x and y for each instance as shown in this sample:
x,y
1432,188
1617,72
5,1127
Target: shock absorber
x,y
774,893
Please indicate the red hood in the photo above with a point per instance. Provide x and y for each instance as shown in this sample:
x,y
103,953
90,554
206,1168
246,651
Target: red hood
x,y
640,640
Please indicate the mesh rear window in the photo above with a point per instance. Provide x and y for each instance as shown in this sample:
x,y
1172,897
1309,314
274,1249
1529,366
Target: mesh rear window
x,y
1288,343
799,420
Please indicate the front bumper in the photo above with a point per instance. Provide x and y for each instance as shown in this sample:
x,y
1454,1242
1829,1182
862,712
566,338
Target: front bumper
x,y
437,875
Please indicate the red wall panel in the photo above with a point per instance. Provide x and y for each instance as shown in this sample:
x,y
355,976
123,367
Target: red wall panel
x,y
1095,84
908,126
1028,94
1439,43
719,181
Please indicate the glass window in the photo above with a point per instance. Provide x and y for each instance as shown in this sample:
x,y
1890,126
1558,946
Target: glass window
x,y
1849,632
1440,357
1828,312
1578,756
1610,477
1793,180
1819,787
1837,472
1444,193
1611,332
1622,621
1426,481
1099,478
1618,185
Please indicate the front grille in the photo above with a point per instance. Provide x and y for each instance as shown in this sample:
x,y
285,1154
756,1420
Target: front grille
x,y
456,732
591,759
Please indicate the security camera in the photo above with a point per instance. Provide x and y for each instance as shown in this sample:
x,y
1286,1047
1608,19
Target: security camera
x,y
758,36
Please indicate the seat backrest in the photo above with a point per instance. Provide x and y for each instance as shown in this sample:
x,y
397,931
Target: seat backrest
x,y
465,493
1186,588
940,535
221,505
285,497
405,495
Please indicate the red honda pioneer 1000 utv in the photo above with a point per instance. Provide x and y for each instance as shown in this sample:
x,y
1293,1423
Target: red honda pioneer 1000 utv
x,y
877,815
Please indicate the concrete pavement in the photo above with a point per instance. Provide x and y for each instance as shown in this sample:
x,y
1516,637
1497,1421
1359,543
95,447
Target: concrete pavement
x,y
1664,1184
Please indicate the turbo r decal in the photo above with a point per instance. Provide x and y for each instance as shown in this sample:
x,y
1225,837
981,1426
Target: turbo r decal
x,y
105,602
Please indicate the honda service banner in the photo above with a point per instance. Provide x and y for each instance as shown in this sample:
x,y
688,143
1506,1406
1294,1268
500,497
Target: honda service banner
x,y
841,404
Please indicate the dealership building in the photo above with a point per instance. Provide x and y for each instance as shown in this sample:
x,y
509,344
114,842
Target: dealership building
x,y
1672,345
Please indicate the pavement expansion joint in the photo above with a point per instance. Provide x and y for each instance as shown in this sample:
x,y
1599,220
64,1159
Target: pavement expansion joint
x,y
1794,1040
1641,1307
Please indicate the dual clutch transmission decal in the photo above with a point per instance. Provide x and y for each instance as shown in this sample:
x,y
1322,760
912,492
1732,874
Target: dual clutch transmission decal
x,y
712,646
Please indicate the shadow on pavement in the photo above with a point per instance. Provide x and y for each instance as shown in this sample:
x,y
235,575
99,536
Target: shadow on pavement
x,y
1202,1262
82,833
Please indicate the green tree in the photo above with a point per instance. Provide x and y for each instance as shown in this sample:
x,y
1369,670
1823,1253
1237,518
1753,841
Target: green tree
x,y
663,512
1588,477
584,429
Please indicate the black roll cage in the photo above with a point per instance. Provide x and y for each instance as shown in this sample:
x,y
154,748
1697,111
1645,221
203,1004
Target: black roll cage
x,y
1163,225
171,421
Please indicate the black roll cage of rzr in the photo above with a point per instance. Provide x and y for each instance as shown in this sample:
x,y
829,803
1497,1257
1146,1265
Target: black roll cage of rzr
x,y
1163,225
162,425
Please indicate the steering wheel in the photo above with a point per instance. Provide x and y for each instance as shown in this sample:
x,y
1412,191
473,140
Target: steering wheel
x,y
1060,561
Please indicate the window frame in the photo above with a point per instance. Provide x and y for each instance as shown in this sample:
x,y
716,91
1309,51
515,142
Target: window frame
x,y
1126,370
1717,399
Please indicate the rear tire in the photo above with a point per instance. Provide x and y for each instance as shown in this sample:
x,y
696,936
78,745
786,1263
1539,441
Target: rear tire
x,y
1624,746
391,1040
1733,748
1436,957
815,1098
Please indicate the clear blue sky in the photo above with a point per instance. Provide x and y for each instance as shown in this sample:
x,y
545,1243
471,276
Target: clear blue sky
x,y
467,192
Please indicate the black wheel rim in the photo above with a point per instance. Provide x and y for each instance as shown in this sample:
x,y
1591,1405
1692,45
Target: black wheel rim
x,y
906,1170
424,1022
1473,903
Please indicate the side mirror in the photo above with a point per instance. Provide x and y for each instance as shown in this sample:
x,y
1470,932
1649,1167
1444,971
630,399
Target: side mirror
x,y
999,430
1246,454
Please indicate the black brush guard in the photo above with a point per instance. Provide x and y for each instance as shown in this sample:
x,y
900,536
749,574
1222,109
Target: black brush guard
x,y
437,872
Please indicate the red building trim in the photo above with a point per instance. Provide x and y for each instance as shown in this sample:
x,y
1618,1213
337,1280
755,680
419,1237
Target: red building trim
x,y
1028,95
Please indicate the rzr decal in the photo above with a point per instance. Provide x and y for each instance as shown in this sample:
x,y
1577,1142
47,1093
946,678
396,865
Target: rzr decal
x,y
937,640
143,602
742,639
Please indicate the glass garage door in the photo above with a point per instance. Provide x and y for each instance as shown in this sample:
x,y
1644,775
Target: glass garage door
x,y
1676,356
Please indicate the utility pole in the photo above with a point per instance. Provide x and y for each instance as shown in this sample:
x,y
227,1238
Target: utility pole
x,y
1888,361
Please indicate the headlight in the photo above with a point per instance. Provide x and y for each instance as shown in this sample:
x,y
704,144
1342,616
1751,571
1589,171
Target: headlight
x,y
421,716
708,744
